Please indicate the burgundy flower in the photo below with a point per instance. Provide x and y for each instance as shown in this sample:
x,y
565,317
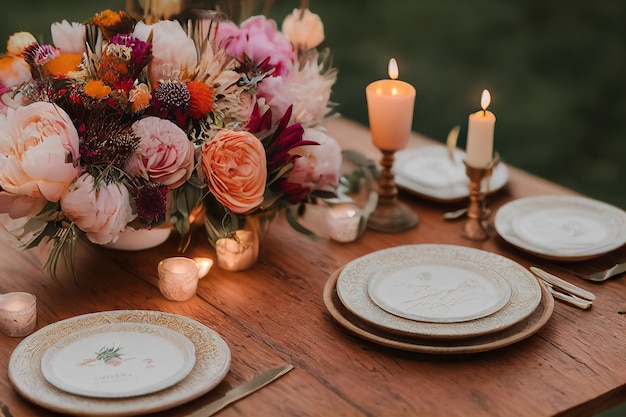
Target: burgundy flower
x,y
150,201
170,100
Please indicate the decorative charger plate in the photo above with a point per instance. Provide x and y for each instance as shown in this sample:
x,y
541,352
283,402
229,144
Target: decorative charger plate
x,y
516,333
561,227
118,360
353,283
429,172
211,365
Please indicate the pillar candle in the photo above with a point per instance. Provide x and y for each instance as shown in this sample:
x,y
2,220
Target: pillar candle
x,y
390,108
480,129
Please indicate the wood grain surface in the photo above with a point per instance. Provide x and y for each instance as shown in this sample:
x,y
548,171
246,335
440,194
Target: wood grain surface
x,y
274,313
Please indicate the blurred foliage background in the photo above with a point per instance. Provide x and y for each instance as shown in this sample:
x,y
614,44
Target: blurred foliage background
x,y
555,69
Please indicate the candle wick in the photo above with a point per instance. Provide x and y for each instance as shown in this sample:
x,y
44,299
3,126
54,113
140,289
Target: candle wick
x,y
484,112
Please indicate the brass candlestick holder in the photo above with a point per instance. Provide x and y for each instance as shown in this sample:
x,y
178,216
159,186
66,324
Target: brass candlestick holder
x,y
477,225
390,215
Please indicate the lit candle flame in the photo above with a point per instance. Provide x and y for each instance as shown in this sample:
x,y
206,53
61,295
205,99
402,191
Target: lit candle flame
x,y
485,99
393,69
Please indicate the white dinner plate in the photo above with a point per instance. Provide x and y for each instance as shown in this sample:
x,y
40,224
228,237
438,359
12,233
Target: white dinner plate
x,y
211,365
438,293
429,172
353,288
561,227
118,360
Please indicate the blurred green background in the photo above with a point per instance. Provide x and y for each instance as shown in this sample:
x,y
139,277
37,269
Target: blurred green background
x,y
555,69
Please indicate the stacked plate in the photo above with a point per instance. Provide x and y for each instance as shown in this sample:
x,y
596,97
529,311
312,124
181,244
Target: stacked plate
x,y
442,299
562,227
116,363
429,172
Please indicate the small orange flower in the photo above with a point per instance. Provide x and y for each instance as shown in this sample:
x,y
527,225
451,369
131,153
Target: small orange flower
x,y
112,23
63,64
202,99
97,89
140,97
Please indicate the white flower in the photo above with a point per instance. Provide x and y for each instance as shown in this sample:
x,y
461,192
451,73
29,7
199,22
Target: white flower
x,y
69,37
174,55
304,29
18,42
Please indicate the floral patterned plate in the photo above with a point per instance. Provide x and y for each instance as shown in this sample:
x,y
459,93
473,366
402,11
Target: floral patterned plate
x,y
211,365
118,360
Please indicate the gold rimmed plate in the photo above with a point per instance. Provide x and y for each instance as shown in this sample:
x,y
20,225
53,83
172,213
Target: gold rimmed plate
x,y
212,363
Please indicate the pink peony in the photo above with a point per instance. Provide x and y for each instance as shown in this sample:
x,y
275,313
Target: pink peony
x,y
319,165
235,167
38,151
165,154
258,38
101,212
174,55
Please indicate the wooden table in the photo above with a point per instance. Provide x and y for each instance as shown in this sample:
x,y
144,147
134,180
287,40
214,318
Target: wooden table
x,y
274,314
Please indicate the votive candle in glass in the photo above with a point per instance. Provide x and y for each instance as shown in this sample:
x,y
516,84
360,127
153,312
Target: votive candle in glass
x,y
18,313
178,278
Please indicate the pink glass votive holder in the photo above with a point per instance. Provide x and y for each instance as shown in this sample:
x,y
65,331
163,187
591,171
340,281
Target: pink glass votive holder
x,y
18,314
178,278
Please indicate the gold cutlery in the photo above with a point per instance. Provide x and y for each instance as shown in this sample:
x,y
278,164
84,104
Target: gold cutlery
x,y
451,141
241,391
562,285
608,273
570,299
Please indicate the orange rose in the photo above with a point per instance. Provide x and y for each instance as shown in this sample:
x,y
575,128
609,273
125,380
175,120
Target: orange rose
x,y
235,168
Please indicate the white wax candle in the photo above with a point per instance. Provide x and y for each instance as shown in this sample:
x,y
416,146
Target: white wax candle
x,y
390,108
343,222
479,148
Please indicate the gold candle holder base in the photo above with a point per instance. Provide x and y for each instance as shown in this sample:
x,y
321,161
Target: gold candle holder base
x,y
390,215
477,225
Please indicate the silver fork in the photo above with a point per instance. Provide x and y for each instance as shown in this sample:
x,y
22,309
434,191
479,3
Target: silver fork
x,y
608,273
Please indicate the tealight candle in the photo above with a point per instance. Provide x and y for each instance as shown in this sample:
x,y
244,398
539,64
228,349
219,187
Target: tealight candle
x,y
343,222
18,313
178,278
204,266
479,149
390,108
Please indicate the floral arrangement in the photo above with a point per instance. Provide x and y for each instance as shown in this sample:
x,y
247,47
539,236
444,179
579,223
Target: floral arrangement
x,y
128,121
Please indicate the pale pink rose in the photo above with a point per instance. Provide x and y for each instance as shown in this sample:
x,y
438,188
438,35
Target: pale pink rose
x,y
235,167
165,154
69,37
174,54
258,38
101,212
304,29
319,165
38,148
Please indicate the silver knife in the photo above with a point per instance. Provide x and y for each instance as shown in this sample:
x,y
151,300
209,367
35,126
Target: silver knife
x,y
562,284
241,391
